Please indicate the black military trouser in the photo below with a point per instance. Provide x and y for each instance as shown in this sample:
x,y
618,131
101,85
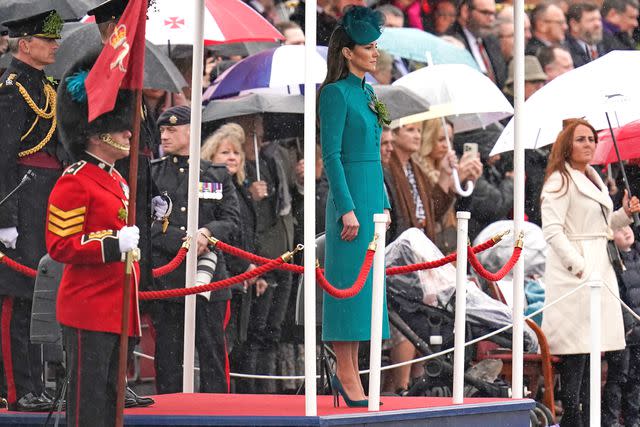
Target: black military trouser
x,y
574,379
621,395
92,362
211,318
22,361
258,355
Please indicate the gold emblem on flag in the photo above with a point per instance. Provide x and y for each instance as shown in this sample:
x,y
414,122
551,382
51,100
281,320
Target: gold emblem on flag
x,y
118,40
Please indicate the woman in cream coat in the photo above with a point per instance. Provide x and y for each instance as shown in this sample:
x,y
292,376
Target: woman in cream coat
x,y
577,220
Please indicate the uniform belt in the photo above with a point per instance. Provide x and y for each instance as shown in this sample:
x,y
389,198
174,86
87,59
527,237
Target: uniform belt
x,y
361,157
41,160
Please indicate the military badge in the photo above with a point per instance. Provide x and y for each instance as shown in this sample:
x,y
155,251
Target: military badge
x,y
173,120
210,190
122,214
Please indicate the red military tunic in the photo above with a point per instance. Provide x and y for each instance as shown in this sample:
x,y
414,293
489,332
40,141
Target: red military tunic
x,y
87,207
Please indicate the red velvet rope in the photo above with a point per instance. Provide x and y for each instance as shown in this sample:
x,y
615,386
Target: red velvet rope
x,y
498,275
213,286
357,285
27,271
171,265
437,263
256,259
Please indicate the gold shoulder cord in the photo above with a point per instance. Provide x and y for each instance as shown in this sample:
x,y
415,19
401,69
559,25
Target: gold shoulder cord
x,y
50,94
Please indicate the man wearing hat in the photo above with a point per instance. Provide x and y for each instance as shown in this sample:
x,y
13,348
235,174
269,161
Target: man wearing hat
x,y
28,142
218,216
107,15
87,231
534,78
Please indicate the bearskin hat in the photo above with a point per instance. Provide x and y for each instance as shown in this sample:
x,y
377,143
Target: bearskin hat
x,y
72,109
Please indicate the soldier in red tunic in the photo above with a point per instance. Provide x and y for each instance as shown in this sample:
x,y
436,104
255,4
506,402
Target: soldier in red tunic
x,y
86,230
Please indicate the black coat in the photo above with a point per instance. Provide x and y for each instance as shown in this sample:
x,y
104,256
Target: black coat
x,y
220,216
617,40
245,235
533,46
579,54
27,209
629,284
325,23
492,46
491,200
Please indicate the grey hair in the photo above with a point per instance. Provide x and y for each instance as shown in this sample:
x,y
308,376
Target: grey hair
x,y
389,9
14,43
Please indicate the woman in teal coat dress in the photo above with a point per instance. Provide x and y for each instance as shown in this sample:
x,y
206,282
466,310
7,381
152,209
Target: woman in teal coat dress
x,y
350,130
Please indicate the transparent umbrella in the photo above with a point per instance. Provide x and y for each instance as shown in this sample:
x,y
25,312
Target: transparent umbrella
x,y
463,95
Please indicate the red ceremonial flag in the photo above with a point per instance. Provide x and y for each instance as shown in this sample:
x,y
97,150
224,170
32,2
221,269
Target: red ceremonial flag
x,y
121,62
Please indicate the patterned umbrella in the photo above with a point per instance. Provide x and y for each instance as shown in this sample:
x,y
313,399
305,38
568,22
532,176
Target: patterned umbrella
x,y
225,21
280,69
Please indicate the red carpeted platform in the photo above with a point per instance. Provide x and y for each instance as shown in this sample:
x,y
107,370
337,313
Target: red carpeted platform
x,y
256,410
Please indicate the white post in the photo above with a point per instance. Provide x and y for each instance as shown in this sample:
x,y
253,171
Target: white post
x,y
311,404
192,202
461,307
595,284
518,201
377,300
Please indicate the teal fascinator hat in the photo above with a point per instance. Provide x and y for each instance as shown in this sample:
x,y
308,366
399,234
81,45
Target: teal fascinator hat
x,y
362,24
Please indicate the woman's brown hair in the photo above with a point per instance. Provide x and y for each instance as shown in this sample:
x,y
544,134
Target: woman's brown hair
x,y
561,150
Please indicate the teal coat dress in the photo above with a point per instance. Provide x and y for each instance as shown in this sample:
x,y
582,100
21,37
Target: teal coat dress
x,y
350,138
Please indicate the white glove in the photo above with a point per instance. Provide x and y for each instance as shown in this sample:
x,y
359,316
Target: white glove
x,y
9,237
128,238
161,206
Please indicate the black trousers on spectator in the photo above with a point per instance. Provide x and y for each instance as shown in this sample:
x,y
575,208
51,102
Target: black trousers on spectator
x,y
258,355
621,395
92,360
211,320
21,360
574,380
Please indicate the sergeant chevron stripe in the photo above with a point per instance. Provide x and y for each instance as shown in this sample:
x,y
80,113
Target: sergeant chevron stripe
x,y
64,223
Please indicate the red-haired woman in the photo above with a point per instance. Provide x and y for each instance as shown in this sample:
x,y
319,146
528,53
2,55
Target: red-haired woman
x,y
577,220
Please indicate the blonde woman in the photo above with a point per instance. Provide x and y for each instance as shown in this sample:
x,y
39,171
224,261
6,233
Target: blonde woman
x,y
432,160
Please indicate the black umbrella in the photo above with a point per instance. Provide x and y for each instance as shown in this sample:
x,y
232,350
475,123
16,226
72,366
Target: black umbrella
x,y
78,39
70,10
400,101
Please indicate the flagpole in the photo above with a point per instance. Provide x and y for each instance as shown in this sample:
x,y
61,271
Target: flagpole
x,y
311,399
192,203
126,294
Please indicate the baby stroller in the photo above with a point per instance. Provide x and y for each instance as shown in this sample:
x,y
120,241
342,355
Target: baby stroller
x,y
421,307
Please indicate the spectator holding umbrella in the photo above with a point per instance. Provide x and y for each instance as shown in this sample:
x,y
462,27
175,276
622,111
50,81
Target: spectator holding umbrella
x,y
577,218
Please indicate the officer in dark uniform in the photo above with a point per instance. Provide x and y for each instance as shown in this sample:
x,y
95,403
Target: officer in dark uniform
x,y
28,140
218,216
87,231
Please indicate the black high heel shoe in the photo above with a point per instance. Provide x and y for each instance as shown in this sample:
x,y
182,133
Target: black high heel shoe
x,y
336,387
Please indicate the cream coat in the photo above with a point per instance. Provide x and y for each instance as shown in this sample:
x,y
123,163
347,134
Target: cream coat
x,y
576,231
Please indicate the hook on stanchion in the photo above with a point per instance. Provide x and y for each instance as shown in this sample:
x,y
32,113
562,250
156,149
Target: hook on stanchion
x,y
374,243
520,241
288,256
187,243
498,237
